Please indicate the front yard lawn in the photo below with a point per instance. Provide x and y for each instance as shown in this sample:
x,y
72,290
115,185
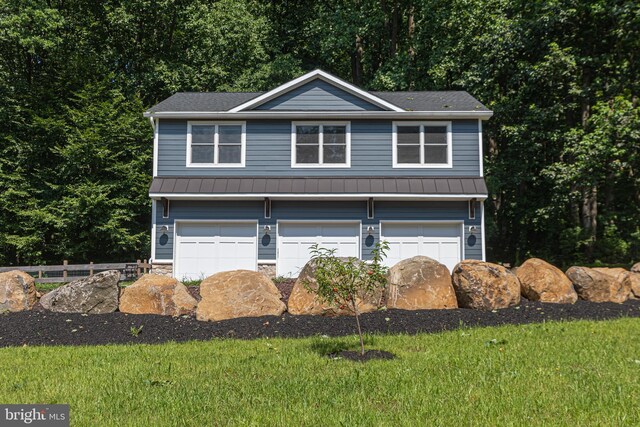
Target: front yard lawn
x,y
560,373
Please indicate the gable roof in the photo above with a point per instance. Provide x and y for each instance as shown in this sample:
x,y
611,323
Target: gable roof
x,y
401,104
408,101
313,75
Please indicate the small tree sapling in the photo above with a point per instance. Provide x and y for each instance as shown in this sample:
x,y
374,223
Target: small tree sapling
x,y
341,282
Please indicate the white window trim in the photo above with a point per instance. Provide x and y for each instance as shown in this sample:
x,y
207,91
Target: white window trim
x,y
215,164
294,163
397,165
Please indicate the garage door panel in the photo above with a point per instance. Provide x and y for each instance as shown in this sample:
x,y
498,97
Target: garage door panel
x,y
296,239
229,230
203,249
441,242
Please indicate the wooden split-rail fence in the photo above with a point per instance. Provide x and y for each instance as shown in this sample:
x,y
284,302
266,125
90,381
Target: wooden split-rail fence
x,y
68,272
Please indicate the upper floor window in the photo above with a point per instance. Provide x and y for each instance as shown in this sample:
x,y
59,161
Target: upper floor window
x,y
323,144
216,144
423,144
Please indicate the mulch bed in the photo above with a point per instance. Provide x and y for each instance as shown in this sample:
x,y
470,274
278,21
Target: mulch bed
x,y
41,327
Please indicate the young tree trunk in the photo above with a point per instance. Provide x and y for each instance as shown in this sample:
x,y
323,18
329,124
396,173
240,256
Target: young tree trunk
x,y
393,48
355,310
589,215
356,62
411,27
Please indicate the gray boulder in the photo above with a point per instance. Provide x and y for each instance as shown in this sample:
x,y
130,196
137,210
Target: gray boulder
x,y
97,294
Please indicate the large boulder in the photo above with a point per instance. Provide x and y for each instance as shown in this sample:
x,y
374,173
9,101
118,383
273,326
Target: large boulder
x,y
420,283
636,268
156,294
17,291
485,286
303,302
635,285
238,293
97,294
600,284
541,281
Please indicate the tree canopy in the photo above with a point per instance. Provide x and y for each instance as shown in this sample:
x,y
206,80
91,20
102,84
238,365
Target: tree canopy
x,y
562,152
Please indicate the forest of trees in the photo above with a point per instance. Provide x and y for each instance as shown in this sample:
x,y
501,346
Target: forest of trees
x,y
562,151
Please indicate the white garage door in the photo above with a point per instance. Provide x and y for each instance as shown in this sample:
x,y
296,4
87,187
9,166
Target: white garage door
x,y
295,239
441,242
203,249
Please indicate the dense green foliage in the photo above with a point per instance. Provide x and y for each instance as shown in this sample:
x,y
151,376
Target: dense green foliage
x,y
553,374
562,151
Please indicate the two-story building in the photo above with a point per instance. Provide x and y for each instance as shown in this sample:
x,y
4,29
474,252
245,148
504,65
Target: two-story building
x,y
252,180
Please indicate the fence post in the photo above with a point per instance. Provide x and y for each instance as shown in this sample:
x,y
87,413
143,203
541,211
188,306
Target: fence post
x,y
64,270
144,268
138,269
39,274
90,268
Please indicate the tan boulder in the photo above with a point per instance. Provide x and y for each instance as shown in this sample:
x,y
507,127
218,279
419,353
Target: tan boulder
x,y
635,286
600,284
420,283
17,291
636,268
485,286
303,302
157,294
541,281
238,293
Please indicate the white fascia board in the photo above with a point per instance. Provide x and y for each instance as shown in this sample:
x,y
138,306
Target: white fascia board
x,y
324,115
276,196
316,74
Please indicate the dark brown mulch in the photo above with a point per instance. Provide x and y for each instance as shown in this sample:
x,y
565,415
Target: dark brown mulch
x,y
41,327
285,287
368,355
195,292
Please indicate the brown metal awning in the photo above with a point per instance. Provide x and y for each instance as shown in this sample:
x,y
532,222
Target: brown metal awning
x,y
420,187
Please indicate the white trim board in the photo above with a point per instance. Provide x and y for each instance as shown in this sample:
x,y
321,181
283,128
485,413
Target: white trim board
x,y
321,115
313,75
155,126
153,230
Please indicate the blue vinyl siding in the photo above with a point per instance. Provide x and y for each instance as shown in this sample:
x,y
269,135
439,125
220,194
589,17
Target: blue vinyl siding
x,y
318,95
315,210
269,151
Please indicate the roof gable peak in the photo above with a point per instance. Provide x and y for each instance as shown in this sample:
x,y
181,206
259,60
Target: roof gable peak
x,y
315,75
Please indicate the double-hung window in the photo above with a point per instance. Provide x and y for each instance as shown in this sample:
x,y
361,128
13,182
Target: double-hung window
x,y
216,144
424,144
320,144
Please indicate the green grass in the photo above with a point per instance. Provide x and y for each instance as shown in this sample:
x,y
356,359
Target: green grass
x,y
579,373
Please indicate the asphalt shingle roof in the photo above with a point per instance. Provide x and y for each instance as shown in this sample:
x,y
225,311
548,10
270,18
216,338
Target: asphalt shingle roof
x,y
410,101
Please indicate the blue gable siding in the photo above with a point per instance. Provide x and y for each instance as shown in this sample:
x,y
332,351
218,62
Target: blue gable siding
x,y
269,151
318,95
316,210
